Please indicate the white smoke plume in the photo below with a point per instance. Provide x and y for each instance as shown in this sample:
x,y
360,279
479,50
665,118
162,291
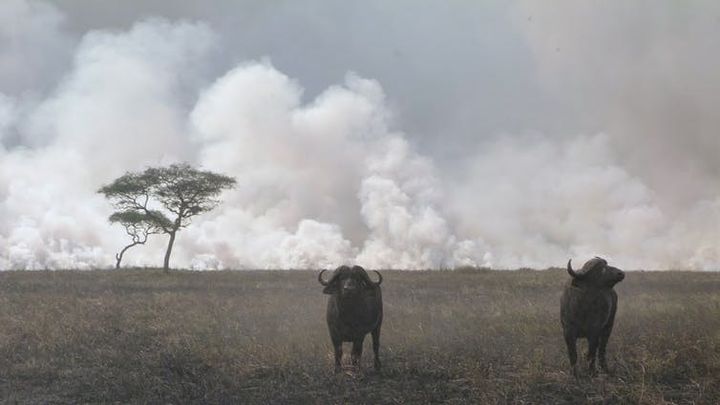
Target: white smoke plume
x,y
114,111
328,176
307,172
304,172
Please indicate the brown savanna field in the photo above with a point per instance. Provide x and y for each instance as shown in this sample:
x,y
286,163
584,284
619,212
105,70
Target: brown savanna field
x,y
464,336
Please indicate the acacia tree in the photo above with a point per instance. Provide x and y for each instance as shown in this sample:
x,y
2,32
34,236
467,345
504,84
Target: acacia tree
x,y
138,225
167,198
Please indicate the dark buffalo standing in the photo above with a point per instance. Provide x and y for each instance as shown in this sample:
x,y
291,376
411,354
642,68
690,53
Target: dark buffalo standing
x,y
354,309
587,309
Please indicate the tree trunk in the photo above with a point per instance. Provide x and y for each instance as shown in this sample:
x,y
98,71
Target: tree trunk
x,y
119,256
166,265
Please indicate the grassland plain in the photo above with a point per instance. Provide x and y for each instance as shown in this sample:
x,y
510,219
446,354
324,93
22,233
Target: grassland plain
x,y
463,336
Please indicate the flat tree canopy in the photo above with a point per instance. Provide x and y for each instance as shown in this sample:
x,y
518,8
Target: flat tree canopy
x,y
163,200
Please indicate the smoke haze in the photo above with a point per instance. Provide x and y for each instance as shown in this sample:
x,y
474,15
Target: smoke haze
x,y
394,136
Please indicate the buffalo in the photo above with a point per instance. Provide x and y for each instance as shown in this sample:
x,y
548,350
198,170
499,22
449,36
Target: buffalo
x,y
354,309
587,309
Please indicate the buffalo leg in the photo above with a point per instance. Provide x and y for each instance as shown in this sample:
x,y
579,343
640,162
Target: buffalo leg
x,y
603,346
572,351
592,352
357,350
337,344
376,346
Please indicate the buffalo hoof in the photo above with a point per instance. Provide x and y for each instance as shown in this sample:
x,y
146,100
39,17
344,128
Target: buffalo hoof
x,y
377,365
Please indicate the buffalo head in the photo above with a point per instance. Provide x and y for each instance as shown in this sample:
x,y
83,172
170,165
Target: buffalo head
x,y
596,273
347,281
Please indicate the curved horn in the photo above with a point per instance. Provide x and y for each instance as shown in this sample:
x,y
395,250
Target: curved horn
x,y
570,270
379,277
324,283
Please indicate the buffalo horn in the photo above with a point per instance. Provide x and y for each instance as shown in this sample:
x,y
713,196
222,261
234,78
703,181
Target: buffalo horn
x,y
379,277
324,283
571,271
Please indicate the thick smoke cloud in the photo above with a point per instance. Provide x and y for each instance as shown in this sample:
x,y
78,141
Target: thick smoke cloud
x,y
336,174
116,110
305,172
308,172
647,72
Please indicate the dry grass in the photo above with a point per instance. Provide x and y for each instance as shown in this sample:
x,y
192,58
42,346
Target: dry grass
x,y
142,336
